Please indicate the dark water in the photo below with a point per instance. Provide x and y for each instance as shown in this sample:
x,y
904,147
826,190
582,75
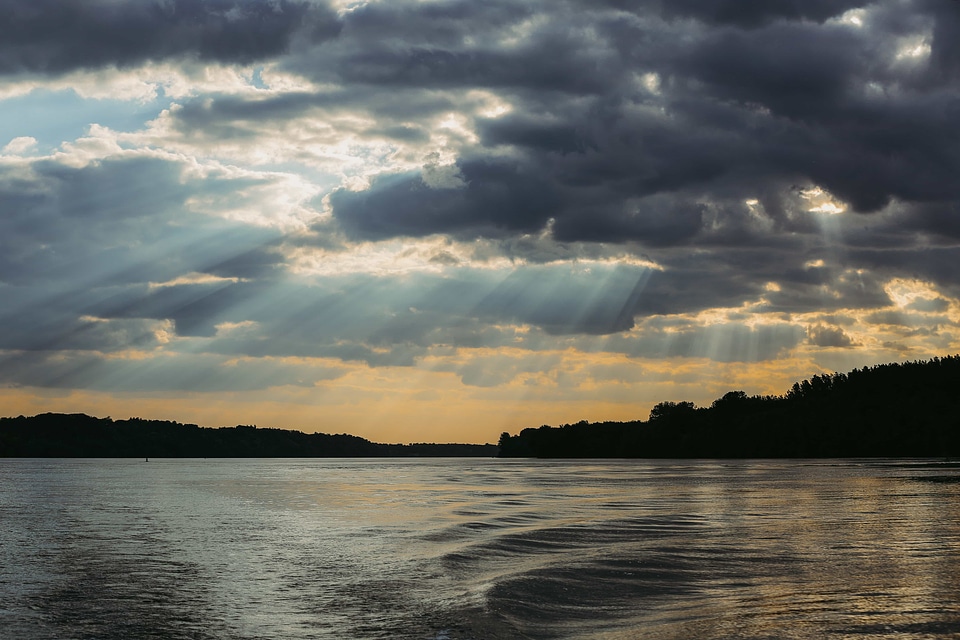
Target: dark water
x,y
456,549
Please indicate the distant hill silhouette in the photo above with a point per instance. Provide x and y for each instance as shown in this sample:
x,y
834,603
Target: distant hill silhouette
x,y
898,410
81,436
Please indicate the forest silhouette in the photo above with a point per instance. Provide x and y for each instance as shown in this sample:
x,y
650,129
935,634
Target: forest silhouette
x,y
896,410
889,410
57,435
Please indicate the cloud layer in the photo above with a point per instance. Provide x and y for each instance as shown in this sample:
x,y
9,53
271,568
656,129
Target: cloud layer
x,y
517,195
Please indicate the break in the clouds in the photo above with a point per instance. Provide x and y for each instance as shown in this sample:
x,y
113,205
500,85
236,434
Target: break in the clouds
x,y
501,199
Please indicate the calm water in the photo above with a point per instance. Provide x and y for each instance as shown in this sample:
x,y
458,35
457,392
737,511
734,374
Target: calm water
x,y
467,548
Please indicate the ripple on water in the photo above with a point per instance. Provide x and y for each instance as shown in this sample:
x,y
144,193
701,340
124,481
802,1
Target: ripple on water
x,y
320,549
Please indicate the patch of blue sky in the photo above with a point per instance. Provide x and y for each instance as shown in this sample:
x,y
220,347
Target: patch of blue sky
x,y
54,117
257,79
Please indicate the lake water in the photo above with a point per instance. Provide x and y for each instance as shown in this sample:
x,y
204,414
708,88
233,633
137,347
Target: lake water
x,y
453,549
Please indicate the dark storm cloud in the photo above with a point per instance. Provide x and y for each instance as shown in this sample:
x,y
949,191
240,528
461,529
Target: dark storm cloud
x,y
935,264
941,219
628,118
843,290
745,97
54,36
654,221
500,196
456,44
697,101
793,69
754,13
689,133
824,336
946,33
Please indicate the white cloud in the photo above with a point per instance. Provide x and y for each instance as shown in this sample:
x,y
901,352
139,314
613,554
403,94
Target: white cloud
x,y
150,81
20,145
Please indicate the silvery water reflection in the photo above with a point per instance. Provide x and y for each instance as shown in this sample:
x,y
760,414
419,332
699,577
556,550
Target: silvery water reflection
x,y
467,548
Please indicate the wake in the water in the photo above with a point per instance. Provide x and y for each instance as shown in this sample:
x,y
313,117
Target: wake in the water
x,y
479,549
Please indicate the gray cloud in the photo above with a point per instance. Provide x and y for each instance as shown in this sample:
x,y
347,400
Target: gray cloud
x,y
936,305
731,114
936,264
499,197
121,220
731,342
627,121
113,239
824,336
689,134
55,36
203,373
754,13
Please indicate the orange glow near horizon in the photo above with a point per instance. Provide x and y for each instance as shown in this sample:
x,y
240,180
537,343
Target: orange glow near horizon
x,y
415,404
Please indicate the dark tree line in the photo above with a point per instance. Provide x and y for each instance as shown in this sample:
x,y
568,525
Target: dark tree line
x,y
909,409
82,436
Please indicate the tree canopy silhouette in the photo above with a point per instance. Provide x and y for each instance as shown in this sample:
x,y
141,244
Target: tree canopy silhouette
x,y
899,409
82,436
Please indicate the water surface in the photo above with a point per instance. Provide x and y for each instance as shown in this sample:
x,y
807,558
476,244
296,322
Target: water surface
x,y
479,548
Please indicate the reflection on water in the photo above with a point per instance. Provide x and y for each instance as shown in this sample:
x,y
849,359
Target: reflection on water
x,y
467,548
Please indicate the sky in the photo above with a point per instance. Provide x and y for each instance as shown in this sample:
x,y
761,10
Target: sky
x,y
437,220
